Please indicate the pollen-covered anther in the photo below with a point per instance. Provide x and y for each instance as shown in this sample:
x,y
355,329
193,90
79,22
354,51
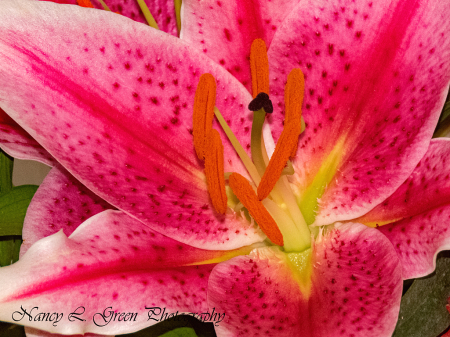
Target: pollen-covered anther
x,y
293,98
259,65
247,196
287,144
85,3
214,172
205,99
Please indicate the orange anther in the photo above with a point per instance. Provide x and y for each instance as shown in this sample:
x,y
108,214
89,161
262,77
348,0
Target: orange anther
x,y
205,99
293,98
85,3
244,191
215,172
293,94
287,144
259,65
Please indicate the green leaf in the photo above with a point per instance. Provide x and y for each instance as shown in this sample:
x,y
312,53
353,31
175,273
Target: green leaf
x,y
11,330
179,326
445,112
13,206
422,311
180,332
9,249
6,169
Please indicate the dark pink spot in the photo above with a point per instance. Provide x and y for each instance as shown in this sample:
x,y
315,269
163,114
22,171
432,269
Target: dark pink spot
x,y
227,34
330,49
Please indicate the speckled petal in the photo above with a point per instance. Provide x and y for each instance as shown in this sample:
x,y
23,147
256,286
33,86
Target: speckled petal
x,y
61,202
114,106
163,11
355,289
111,260
259,296
357,283
18,143
418,239
377,73
428,187
224,30
418,213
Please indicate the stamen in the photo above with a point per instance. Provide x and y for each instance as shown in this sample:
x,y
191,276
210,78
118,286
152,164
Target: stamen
x,y
287,144
205,98
283,150
177,4
148,16
252,171
295,240
293,98
247,196
85,3
215,173
259,65
288,170
105,6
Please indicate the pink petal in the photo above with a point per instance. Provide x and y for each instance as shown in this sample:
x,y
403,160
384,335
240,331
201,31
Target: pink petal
x,y
427,187
420,212
224,30
355,289
63,2
61,202
110,260
377,74
418,239
16,142
31,332
162,11
114,106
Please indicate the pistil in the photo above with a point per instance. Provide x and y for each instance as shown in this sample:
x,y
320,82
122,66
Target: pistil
x,y
256,143
287,144
294,239
259,66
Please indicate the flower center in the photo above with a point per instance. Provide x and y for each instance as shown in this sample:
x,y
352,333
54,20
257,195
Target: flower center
x,y
268,199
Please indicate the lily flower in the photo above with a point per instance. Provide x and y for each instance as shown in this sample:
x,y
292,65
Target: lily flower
x,y
158,226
